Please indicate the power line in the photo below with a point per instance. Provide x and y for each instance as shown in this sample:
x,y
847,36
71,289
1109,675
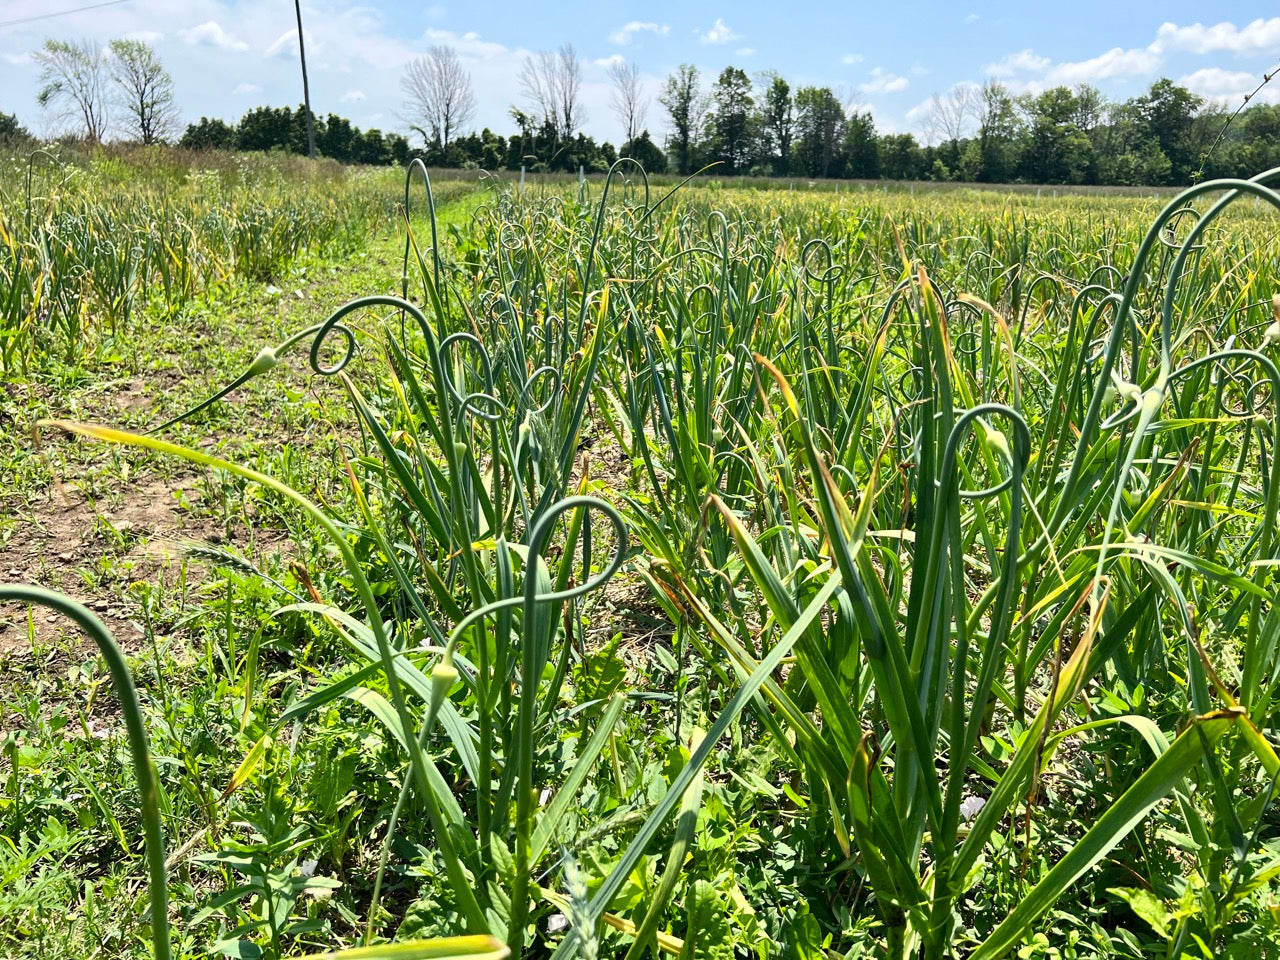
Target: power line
x,y
60,13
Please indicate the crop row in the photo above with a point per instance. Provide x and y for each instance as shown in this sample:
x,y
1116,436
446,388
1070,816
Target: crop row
x,y
962,520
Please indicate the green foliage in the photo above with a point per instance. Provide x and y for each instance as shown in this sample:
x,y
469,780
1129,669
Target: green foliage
x,y
819,124
646,153
683,101
268,870
281,129
13,135
730,122
209,134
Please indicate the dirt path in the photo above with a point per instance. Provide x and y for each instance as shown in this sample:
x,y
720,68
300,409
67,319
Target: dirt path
x,y
93,520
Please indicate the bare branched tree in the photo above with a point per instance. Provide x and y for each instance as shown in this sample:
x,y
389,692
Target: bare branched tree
x,y
441,100
552,82
73,83
949,115
850,98
569,70
144,89
536,75
629,102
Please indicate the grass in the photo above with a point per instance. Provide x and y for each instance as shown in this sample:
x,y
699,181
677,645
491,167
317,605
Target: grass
x,y
954,514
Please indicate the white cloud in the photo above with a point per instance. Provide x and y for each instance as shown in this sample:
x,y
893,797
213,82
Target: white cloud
x,y
211,34
745,52
972,18
849,59
885,124
1028,71
625,34
473,47
607,62
720,32
151,37
1258,36
1116,62
214,48
882,81
1024,61
287,44
920,112
352,96
1215,83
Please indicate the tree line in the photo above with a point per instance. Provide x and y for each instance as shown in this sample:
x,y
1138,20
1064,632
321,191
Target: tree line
x,y
756,125
760,126
279,128
986,134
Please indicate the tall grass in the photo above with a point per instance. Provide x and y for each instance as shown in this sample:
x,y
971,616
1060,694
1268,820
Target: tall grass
x,y
89,244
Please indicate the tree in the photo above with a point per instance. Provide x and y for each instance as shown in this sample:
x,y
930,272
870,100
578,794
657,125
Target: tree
x,y
777,123
644,151
13,133
144,89
730,120
861,147
269,128
949,117
338,139
1168,113
997,116
493,150
683,100
523,145
441,99
1127,155
900,157
209,135
819,117
1261,135
552,82
1058,151
1091,111
569,72
73,83
629,103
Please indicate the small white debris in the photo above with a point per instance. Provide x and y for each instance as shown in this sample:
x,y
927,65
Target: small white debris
x,y
970,807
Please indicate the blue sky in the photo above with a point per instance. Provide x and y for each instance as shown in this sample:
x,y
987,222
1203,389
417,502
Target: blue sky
x,y
227,56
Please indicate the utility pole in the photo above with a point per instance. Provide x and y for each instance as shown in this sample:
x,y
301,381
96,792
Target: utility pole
x,y
306,91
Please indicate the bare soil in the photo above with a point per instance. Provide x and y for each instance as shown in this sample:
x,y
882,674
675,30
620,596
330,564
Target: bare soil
x,y
65,541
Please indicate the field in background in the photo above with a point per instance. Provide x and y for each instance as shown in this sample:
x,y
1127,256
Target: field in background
x,y
904,583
